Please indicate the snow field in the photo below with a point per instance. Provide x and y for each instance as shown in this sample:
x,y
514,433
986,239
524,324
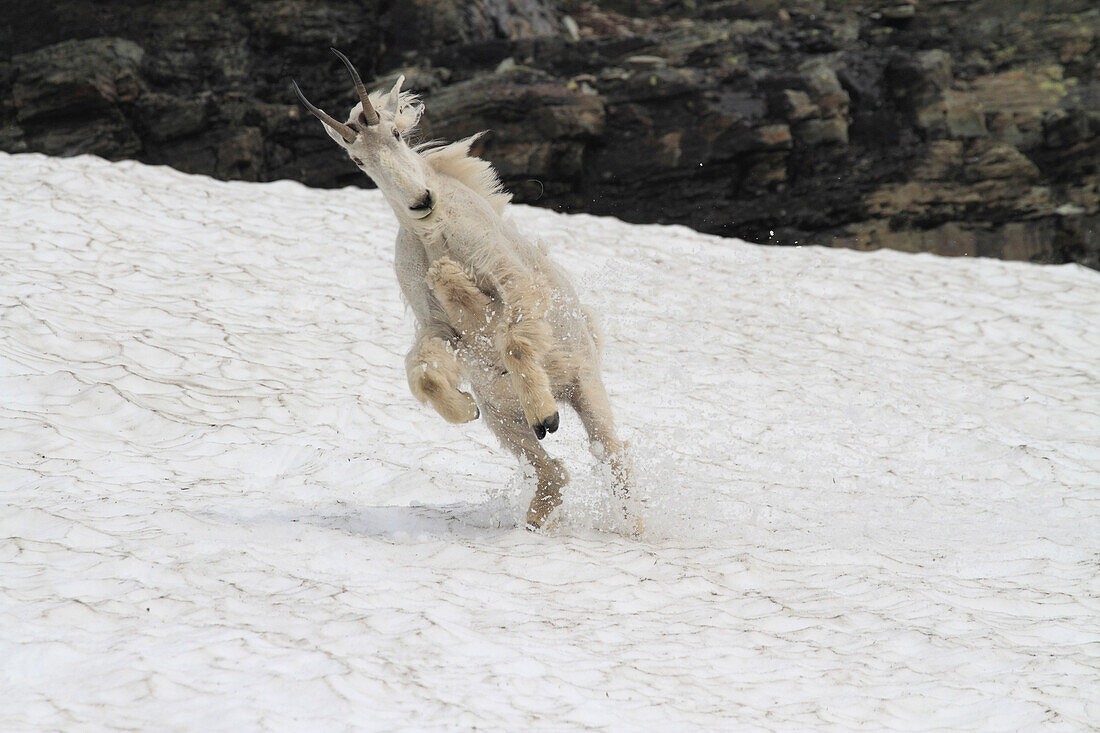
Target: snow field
x,y
872,482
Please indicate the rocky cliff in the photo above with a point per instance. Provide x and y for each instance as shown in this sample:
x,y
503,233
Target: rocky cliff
x,y
951,126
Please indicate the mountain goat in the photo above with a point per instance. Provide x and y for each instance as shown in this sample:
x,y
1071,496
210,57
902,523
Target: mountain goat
x,y
491,307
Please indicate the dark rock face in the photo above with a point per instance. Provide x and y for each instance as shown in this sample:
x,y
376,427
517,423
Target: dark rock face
x,y
71,95
951,126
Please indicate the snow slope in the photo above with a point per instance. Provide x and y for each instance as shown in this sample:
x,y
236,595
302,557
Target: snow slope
x,y
872,482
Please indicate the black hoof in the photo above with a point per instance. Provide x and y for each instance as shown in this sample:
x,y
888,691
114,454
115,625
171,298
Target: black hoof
x,y
540,431
551,423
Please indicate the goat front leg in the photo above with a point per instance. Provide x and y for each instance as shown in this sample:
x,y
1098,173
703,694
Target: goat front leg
x,y
470,311
434,375
521,338
523,341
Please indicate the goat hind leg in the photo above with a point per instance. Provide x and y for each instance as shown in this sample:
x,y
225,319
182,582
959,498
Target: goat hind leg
x,y
550,473
590,401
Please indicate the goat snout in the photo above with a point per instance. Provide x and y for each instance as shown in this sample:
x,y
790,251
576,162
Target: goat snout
x,y
424,206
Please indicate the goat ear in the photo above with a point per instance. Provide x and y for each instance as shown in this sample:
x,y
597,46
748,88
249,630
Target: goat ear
x,y
394,100
336,136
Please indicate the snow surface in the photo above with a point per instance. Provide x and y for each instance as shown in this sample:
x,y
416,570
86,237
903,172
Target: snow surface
x,y
872,482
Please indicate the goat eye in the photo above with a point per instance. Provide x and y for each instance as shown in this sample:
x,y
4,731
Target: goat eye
x,y
396,134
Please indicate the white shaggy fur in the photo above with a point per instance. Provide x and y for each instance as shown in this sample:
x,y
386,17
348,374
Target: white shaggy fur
x,y
451,159
454,159
491,308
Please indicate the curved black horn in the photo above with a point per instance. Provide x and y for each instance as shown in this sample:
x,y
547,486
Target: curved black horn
x,y
369,112
346,132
